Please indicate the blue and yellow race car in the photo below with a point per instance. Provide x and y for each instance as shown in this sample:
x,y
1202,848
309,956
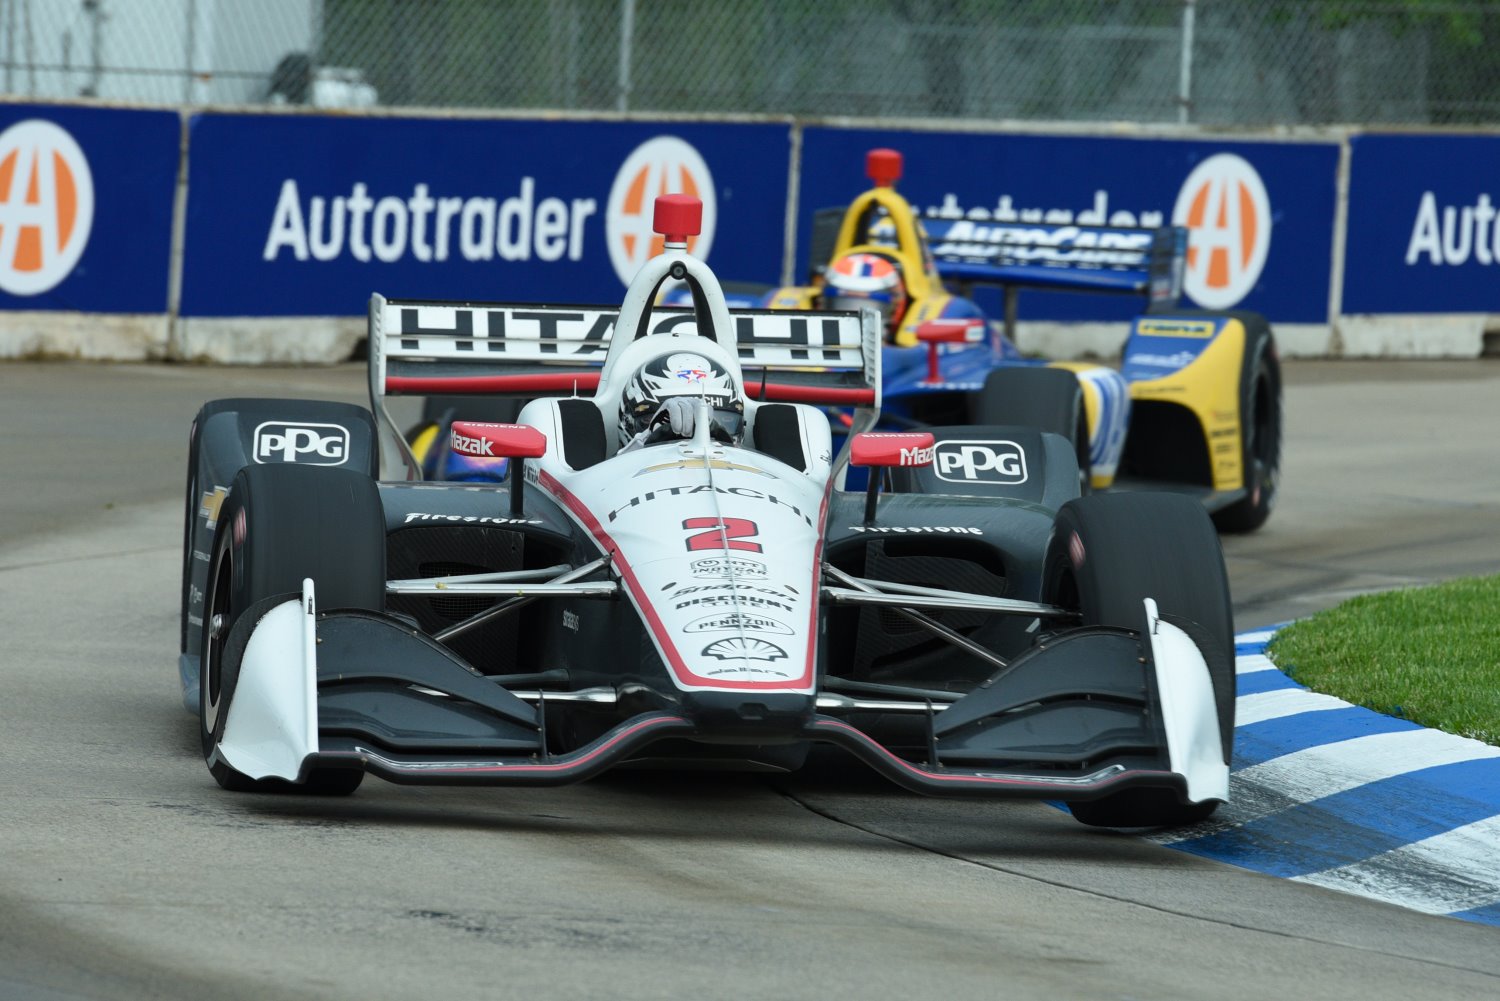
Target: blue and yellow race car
x,y
1195,406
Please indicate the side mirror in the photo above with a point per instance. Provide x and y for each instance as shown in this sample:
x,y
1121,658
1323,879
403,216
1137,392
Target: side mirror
x,y
969,330
883,449
500,441
892,448
477,439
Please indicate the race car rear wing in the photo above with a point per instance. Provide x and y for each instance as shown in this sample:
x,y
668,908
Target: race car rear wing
x,y
1112,259
424,347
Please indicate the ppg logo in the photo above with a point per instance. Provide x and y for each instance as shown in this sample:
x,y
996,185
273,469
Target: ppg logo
x,y
309,444
981,462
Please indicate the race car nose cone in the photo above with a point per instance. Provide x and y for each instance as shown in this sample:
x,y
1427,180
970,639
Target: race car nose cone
x,y
678,217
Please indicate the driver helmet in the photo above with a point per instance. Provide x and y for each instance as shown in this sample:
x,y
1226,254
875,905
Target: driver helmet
x,y
680,373
864,279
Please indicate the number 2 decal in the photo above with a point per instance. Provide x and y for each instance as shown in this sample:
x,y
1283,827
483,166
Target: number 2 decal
x,y
723,533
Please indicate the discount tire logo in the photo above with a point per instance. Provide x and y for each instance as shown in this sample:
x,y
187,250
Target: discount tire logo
x,y
664,165
46,206
1224,203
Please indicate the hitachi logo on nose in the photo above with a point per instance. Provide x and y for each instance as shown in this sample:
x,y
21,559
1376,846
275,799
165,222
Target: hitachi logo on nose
x,y
311,444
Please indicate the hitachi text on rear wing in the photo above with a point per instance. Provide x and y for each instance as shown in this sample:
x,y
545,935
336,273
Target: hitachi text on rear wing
x,y
427,347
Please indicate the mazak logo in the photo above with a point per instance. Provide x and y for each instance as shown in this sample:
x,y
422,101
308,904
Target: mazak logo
x,y
981,462
1224,204
664,165
309,444
46,206
916,456
467,445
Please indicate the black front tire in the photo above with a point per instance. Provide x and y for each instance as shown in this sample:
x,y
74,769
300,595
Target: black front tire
x,y
280,524
1107,554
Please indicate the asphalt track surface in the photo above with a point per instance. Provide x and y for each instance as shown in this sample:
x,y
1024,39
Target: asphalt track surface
x,y
126,873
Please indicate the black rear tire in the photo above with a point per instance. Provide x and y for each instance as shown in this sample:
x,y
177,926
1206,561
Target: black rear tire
x,y
280,524
1048,399
1107,554
1260,430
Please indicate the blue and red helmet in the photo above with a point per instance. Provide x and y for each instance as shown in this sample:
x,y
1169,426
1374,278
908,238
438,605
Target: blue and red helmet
x,y
867,279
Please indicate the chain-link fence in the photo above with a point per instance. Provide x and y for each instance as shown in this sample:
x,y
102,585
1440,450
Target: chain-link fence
x,y
1213,62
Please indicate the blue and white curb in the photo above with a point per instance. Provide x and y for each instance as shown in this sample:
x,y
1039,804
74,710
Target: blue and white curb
x,y
1327,793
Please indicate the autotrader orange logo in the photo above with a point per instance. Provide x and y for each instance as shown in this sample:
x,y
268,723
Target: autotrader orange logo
x,y
659,166
46,206
1224,205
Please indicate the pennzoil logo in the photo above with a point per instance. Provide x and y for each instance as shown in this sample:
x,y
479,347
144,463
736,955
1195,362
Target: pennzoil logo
x,y
734,622
1224,204
46,206
663,165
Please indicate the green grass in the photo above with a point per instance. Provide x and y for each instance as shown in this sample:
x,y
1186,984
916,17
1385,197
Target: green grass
x,y
1428,654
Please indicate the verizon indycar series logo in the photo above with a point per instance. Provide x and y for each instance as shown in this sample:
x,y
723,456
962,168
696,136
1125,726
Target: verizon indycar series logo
x,y
727,567
309,444
1001,462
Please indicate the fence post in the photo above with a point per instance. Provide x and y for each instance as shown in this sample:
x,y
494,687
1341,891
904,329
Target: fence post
x,y
627,40
1185,75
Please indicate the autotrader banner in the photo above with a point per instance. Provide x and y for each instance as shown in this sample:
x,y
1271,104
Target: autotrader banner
x,y
1424,225
86,207
1261,214
293,215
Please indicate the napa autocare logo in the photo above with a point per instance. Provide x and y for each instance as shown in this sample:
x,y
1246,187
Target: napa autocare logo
x,y
664,165
1224,204
46,206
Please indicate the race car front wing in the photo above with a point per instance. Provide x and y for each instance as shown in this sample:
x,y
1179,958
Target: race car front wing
x,y
1085,713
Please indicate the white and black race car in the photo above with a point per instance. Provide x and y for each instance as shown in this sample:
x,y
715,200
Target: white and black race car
x,y
724,596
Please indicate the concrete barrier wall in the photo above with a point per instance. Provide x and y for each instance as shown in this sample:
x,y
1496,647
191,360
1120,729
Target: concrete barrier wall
x,y
257,237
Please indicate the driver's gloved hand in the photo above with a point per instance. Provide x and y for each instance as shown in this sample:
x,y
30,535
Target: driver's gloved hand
x,y
680,413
